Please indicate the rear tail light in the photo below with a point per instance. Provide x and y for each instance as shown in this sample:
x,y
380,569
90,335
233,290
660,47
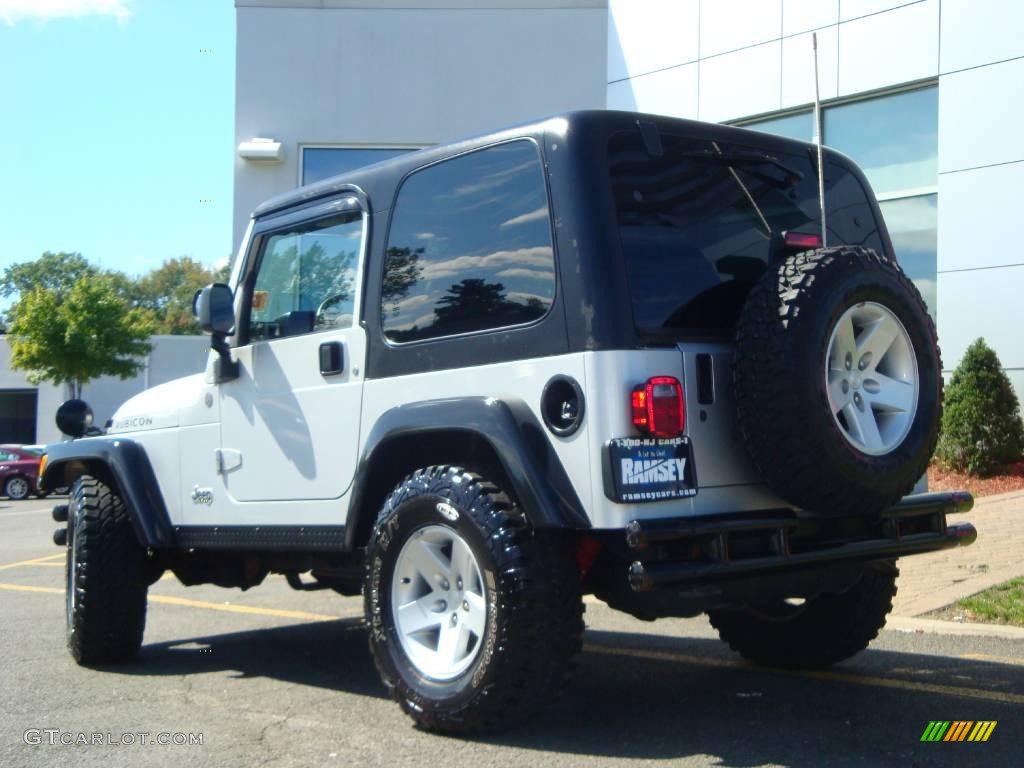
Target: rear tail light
x,y
801,241
658,408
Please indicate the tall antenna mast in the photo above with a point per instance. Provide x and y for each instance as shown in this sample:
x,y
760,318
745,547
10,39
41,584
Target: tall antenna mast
x,y
817,141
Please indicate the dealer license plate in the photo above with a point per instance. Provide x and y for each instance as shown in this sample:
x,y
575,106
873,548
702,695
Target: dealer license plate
x,y
651,469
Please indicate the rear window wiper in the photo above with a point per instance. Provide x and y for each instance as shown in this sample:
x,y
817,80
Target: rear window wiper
x,y
746,158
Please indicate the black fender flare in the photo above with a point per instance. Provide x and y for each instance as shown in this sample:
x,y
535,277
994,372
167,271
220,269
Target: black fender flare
x,y
123,463
533,469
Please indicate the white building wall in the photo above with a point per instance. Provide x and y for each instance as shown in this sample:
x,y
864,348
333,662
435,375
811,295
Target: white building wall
x,y
981,173
413,72
171,358
720,60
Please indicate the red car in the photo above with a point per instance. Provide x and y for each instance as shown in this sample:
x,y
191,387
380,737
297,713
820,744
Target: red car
x,y
19,472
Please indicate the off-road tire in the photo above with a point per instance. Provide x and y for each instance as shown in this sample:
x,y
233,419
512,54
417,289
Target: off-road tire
x,y
823,631
17,488
534,614
782,404
108,576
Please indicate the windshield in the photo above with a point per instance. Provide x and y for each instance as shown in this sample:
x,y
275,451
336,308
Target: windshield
x,y
700,223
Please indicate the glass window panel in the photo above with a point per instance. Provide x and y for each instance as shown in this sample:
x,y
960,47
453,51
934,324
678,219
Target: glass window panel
x,y
699,223
470,246
912,223
894,139
319,163
799,126
305,279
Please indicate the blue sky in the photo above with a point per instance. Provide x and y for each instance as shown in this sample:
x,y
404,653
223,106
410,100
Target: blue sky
x,y
114,126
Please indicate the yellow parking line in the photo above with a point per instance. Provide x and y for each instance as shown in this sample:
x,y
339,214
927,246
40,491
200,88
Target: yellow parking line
x,y
251,609
33,561
46,565
638,653
27,588
187,603
837,677
989,657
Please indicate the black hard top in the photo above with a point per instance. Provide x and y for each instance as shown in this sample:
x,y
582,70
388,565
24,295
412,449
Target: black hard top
x,y
379,180
592,307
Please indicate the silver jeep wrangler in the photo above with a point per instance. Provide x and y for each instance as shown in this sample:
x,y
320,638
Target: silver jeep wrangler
x,y
603,353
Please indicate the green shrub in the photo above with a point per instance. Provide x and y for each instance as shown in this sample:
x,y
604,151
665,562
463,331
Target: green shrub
x,y
981,424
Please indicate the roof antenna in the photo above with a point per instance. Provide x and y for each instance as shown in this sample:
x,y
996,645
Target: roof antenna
x,y
817,141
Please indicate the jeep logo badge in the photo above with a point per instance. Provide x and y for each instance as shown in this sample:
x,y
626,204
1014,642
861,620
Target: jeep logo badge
x,y
202,496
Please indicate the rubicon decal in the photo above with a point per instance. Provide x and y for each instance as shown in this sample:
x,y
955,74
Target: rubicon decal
x,y
133,422
958,730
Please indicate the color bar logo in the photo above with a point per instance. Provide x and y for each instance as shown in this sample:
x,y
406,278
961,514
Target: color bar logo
x,y
958,730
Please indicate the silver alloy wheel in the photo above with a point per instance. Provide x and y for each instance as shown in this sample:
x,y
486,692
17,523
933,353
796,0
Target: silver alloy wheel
x,y
872,379
438,602
17,488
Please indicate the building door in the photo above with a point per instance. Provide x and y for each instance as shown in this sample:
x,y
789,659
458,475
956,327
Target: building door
x,y
18,409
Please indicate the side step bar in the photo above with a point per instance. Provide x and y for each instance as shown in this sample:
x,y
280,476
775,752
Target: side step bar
x,y
715,536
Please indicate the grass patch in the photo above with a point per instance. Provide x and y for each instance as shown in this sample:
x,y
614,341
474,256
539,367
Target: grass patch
x,y
1001,604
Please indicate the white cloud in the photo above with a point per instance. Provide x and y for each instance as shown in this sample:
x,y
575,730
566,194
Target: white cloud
x,y
536,215
425,235
522,297
13,11
531,274
408,305
494,180
537,256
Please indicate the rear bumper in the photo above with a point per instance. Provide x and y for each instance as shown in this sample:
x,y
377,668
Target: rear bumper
x,y
682,552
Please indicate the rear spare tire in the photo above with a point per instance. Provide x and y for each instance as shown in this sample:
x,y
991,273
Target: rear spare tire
x,y
837,380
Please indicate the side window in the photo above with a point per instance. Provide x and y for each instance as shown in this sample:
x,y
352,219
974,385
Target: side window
x,y
469,247
306,279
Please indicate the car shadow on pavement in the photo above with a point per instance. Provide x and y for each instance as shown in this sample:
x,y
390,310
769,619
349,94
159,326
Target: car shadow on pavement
x,y
653,697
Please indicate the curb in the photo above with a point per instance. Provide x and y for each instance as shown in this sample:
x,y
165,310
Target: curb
x,y
963,629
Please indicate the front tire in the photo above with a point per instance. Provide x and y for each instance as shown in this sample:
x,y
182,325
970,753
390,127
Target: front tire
x,y
820,632
473,616
107,577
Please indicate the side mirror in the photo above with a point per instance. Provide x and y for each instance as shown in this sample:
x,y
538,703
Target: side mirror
x,y
214,307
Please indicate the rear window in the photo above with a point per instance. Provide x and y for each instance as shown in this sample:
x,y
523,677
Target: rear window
x,y
700,223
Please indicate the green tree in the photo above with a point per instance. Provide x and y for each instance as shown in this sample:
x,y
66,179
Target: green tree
x,y
54,271
73,337
167,293
981,423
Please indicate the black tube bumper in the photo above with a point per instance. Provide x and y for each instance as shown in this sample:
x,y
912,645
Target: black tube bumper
x,y
681,552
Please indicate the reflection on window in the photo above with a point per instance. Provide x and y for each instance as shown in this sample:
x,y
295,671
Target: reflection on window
x,y
470,246
699,223
799,126
894,139
912,223
305,280
319,163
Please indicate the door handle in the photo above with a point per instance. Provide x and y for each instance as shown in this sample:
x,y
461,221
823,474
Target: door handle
x,y
332,358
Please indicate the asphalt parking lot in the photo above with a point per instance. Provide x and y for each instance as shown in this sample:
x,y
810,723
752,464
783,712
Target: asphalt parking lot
x,y
273,677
